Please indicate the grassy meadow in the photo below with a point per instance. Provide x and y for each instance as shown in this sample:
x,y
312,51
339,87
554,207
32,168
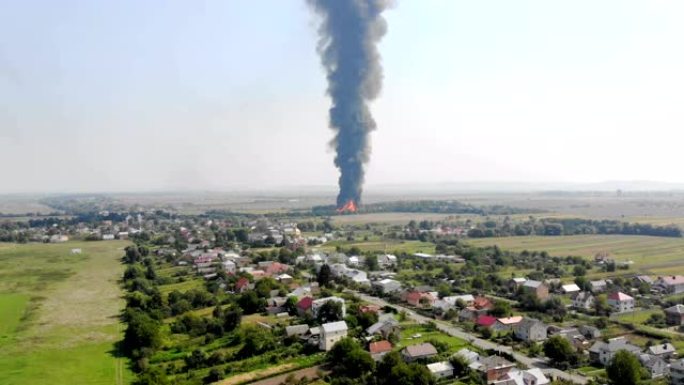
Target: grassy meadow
x,y
59,314
651,255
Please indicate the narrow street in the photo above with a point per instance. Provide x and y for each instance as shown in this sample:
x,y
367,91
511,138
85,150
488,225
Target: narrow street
x,y
454,331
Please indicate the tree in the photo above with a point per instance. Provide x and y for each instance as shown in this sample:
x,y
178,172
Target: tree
x,y
251,303
152,376
560,352
349,359
501,309
330,311
372,263
624,369
324,275
256,341
142,331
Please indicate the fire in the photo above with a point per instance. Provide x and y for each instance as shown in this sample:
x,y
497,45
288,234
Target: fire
x,y
349,207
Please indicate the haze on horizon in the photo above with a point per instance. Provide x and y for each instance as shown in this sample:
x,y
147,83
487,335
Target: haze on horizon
x,y
163,95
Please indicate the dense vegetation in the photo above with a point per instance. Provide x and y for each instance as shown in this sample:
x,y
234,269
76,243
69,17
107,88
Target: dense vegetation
x,y
570,226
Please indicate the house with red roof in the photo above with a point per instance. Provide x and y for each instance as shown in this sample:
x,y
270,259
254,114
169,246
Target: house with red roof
x,y
378,349
369,309
276,268
485,321
482,303
671,284
620,302
304,306
241,285
419,299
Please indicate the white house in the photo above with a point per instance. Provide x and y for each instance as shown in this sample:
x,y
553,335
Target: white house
x,y
621,302
387,260
442,369
331,333
229,267
570,289
583,300
387,285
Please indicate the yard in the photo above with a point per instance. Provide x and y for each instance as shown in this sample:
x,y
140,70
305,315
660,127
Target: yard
x,y
412,334
59,314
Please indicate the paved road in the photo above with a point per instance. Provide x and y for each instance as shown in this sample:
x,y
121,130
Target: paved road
x,y
536,362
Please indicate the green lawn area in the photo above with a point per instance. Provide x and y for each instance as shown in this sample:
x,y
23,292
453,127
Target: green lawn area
x,y
649,254
408,331
638,317
59,314
12,307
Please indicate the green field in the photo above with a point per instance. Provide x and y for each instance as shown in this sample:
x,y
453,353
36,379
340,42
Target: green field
x,y
59,314
653,255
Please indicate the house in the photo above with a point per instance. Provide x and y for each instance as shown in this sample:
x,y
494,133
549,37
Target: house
x,y
304,306
108,237
675,315
640,279
570,289
385,328
656,366
285,279
296,330
229,267
537,288
387,286
583,300
378,349
442,369
482,303
472,358
602,352
369,309
241,285
470,314
506,324
589,332
419,299
76,251
493,368
598,286
620,302
665,351
515,283
530,329
387,260
331,333
485,321
418,352
671,284
523,377
316,305
677,372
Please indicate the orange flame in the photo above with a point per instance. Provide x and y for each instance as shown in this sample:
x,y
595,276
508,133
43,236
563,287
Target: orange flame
x,y
349,207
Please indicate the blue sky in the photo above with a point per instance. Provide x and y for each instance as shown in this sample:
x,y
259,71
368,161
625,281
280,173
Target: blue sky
x,y
130,95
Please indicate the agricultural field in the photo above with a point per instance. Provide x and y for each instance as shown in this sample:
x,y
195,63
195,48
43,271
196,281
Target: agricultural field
x,y
59,314
651,255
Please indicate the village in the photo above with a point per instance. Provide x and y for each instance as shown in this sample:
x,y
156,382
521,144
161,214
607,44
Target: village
x,y
462,313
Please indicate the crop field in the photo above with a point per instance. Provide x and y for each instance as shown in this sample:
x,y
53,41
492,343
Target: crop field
x,y
59,314
654,255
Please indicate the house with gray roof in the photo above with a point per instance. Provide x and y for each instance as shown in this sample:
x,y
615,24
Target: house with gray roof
x,y
602,352
418,352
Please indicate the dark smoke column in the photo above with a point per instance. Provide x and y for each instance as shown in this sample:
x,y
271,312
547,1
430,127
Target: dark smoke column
x,y
349,32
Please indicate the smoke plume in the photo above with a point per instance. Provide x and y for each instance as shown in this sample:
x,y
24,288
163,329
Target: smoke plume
x,y
349,33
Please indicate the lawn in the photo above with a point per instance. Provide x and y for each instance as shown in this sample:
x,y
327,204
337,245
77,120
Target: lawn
x,y
649,254
408,331
59,314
